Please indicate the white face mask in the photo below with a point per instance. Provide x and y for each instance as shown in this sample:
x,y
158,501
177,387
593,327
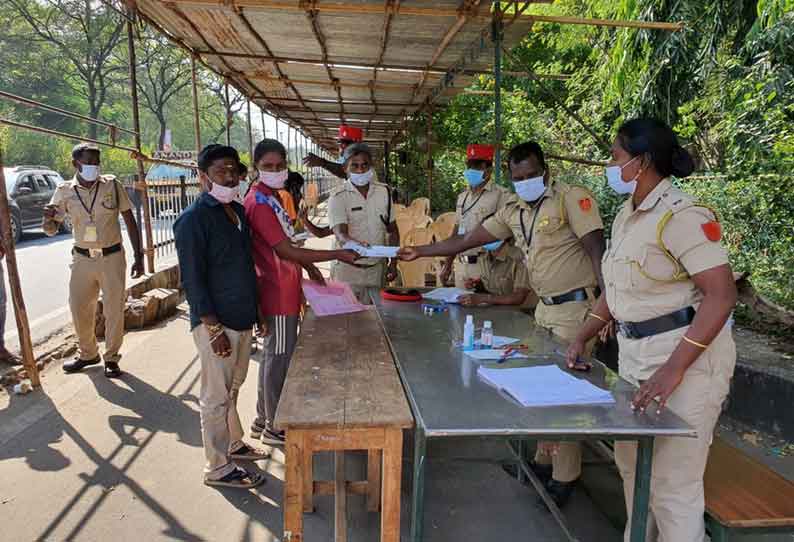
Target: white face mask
x,y
362,179
225,194
89,173
616,182
274,179
530,189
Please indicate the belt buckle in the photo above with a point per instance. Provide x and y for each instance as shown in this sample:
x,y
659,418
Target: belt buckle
x,y
627,330
95,252
547,300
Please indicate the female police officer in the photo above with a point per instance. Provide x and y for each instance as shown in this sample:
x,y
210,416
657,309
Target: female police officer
x,y
670,289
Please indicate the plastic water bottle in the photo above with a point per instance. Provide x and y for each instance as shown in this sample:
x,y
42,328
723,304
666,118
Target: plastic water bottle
x,y
486,339
468,333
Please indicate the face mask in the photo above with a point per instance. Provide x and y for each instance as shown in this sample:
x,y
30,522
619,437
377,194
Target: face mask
x,y
493,247
89,173
361,179
274,179
616,182
225,194
474,177
341,160
531,189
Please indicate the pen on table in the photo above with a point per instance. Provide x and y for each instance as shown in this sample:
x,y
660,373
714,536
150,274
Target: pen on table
x,y
510,350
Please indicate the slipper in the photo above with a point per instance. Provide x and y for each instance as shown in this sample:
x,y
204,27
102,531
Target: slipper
x,y
248,453
238,478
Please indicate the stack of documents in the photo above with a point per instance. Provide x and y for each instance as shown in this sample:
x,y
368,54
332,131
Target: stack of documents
x,y
447,295
333,298
546,385
374,251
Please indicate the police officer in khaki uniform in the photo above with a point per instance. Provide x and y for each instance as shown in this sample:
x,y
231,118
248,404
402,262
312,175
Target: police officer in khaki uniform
x,y
503,278
93,203
361,212
670,289
559,228
482,199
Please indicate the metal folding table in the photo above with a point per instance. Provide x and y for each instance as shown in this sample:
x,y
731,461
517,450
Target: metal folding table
x,y
449,400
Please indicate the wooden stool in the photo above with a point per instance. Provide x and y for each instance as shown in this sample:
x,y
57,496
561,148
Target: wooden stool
x,y
343,393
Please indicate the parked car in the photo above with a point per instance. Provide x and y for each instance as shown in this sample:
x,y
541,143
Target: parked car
x,y
29,189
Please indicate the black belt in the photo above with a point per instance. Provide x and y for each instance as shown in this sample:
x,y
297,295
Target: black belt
x,y
654,326
105,251
469,259
574,295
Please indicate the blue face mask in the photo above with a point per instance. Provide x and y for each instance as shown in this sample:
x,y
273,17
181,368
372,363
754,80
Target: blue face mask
x,y
474,177
530,189
493,247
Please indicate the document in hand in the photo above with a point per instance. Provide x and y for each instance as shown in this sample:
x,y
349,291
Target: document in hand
x,y
374,251
448,295
333,298
546,385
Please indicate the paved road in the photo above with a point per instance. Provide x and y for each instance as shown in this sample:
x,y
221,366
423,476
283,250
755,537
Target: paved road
x,y
44,269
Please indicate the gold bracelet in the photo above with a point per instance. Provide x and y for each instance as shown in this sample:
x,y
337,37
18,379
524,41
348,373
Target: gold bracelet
x,y
695,343
594,315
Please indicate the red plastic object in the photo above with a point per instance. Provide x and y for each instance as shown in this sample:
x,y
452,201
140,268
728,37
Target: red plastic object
x,y
350,133
391,294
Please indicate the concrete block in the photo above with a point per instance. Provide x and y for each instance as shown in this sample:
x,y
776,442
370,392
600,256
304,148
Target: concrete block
x,y
168,300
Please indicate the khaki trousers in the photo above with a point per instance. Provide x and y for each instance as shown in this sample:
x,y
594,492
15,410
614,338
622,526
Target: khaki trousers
x,y
360,279
565,321
465,271
221,379
90,276
677,498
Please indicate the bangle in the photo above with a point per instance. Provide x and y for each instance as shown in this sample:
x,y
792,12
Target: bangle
x,y
597,317
695,343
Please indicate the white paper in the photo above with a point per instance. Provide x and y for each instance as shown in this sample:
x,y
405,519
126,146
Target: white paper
x,y
448,295
493,353
499,341
546,385
375,251
298,237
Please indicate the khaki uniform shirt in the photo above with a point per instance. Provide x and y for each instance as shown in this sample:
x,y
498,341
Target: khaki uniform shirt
x,y
549,233
365,222
637,273
472,208
111,201
504,272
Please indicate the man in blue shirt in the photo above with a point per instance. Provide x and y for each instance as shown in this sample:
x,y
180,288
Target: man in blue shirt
x,y
214,248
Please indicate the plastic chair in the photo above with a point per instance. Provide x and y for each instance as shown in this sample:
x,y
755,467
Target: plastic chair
x,y
414,274
420,206
444,226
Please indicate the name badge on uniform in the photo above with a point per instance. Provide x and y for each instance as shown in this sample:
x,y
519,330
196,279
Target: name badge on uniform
x,y
357,209
90,235
461,230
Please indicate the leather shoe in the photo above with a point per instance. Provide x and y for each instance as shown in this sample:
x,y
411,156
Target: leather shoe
x,y
560,492
543,472
77,364
112,369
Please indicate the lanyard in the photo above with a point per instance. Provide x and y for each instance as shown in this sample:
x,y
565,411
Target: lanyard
x,y
532,227
463,209
88,210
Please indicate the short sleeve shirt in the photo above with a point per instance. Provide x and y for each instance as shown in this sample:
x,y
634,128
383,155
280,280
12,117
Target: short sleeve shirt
x,y
473,207
366,218
549,234
637,273
99,205
278,280
505,272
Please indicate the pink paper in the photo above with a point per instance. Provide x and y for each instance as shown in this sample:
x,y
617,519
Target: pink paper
x,y
333,298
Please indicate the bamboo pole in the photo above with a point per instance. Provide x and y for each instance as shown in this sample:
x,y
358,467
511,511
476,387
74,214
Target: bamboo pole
x,y
196,123
23,326
228,115
136,126
497,75
428,135
250,135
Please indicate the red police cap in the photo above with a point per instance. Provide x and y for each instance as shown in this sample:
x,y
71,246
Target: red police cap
x,y
479,152
350,133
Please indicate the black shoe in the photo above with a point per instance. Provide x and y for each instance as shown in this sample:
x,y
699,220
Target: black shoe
x,y
543,472
77,364
272,438
560,492
112,369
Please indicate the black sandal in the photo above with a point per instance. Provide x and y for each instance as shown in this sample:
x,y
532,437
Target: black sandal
x,y
238,478
112,369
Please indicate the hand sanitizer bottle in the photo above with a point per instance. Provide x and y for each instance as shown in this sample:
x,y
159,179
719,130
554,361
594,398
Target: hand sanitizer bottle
x,y
468,333
486,339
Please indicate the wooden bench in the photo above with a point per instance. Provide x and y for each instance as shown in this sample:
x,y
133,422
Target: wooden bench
x,y
742,495
343,393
